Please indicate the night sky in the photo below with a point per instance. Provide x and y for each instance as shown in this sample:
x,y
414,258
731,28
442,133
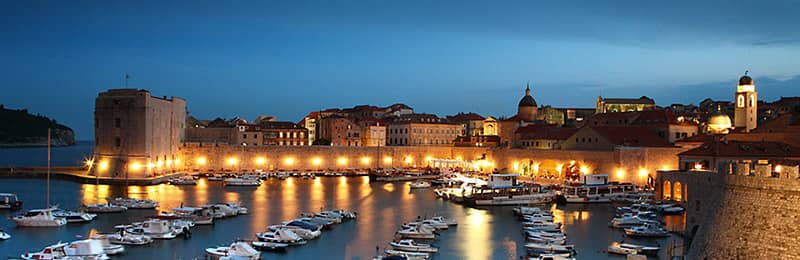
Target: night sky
x,y
291,57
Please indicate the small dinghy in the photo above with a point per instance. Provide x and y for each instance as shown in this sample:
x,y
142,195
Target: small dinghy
x,y
4,235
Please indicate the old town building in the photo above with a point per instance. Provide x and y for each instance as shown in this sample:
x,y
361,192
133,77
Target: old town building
x,y
422,130
614,105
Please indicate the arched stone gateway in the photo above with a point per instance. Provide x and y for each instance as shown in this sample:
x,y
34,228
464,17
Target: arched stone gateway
x,y
667,190
677,191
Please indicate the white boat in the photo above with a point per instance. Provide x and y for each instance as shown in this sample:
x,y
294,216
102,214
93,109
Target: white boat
x,y
10,201
40,218
183,180
331,215
195,215
420,185
522,211
74,216
429,223
595,188
566,256
630,220
242,182
623,248
77,250
105,208
154,228
302,232
540,223
416,233
346,214
237,250
504,190
411,246
108,247
216,177
442,219
647,230
4,235
537,216
548,229
269,246
393,254
543,238
124,238
132,203
668,209
537,249
283,236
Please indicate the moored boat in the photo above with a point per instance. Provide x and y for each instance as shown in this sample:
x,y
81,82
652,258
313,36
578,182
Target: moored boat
x,y
4,235
411,246
105,208
10,201
74,216
282,236
40,218
77,250
237,250
242,182
647,230
622,248
269,246
420,185
595,188
132,203
503,189
122,237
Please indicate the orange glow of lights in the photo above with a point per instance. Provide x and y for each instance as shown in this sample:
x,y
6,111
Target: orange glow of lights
x,y
89,163
150,165
584,169
459,158
232,161
159,163
103,165
778,168
620,173
341,161
698,166
169,162
316,161
177,161
364,160
408,159
201,161
289,161
428,158
260,160
642,172
135,166
387,160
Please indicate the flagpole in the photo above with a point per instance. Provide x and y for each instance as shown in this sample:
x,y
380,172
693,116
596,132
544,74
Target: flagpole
x,y
48,167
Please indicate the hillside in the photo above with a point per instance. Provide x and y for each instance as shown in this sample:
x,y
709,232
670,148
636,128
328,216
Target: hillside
x,y
18,128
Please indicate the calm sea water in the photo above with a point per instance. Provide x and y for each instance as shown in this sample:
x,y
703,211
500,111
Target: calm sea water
x,y
488,233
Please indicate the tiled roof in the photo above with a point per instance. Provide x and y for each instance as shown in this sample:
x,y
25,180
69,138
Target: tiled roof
x,y
631,136
465,117
545,132
787,122
744,149
699,138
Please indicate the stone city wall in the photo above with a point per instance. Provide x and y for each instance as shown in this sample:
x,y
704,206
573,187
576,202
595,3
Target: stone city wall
x,y
742,217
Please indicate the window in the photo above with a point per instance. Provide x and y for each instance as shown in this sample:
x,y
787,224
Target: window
x,y
244,136
677,135
280,134
752,100
117,142
255,135
740,101
117,122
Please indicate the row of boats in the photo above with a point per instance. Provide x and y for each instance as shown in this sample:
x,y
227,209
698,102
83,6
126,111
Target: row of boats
x,y
544,238
406,245
281,236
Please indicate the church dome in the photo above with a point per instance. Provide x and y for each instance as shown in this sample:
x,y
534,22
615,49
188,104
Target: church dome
x,y
745,80
527,101
719,123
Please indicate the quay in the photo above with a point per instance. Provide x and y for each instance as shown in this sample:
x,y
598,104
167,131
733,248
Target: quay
x,y
80,174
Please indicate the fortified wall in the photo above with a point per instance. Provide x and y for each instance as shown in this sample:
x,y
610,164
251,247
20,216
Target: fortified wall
x,y
627,164
740,216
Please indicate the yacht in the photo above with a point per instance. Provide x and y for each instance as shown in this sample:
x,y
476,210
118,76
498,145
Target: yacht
x,y
242,182
132,203
183,180
108,247
537,216
324,222
428,222
302,232
40,218
237,250
81,249
4,235
595,188
541,223
154,228
521,211
536,249
10,201
420,185
269,246
416,233
105,208
216,177
543,228
503,189
282,236
544,238
623,248
122,237
631,220
441,219
74,216
304,224
411,246
647,230
195,215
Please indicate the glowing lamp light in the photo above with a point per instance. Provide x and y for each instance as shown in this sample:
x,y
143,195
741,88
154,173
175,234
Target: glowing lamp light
x,y
428,158
515,166
387,160
159,163
150,165
103,166
316,161
89,163
201,161
169,162
584,170
232,161
408,159
289,161
261,160
459,158
642,172
177,161
778,168
364,160
135,166
620,173
341,161
698,166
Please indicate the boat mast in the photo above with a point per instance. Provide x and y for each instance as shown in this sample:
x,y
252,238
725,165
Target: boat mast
x,y
48,168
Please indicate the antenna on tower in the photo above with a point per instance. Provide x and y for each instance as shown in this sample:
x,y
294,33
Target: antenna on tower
x,y
746,71
127,77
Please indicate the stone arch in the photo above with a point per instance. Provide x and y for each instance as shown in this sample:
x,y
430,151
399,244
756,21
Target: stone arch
x,y
666,191
677,191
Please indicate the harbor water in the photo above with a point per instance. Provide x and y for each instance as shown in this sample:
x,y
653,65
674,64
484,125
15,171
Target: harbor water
x,y
482,233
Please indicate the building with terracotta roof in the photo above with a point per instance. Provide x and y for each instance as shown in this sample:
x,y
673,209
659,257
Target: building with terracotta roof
x,y
662,122
472,122
340,131
740,157
542,136
614,105
610,137
422,130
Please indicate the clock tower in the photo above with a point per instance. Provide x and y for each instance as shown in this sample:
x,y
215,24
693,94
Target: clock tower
x,y
746,103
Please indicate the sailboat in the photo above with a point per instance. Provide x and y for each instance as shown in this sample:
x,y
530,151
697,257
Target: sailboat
x,y
42,217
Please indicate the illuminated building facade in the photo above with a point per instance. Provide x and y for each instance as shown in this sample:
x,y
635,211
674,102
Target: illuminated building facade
x,y
746,101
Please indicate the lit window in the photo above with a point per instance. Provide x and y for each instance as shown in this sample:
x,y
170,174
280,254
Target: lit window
x,y
740,101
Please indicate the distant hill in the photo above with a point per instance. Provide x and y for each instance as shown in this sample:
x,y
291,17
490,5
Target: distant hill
x,y
18,128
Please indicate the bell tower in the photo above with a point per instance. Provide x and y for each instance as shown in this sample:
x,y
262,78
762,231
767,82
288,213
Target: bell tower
x,y
746,103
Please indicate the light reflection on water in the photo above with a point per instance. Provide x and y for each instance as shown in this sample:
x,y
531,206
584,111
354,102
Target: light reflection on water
x,y
490,233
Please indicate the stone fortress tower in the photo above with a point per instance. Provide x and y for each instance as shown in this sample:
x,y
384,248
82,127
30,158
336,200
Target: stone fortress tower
x,y
527,110
746,99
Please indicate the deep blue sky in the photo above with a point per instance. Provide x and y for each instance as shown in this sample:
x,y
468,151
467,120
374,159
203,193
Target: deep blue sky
x,y
287,58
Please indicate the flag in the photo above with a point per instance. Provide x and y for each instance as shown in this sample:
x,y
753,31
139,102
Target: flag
x,y
127,76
